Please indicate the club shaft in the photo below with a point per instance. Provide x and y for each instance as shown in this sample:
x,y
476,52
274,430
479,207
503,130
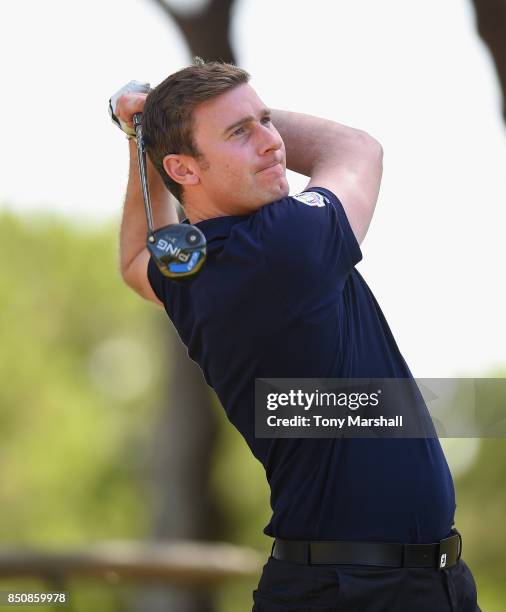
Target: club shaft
x,y
141,156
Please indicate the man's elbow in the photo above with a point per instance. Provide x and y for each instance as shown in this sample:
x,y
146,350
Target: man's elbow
x,y
135,279
125,270
125,277
129,280
370,144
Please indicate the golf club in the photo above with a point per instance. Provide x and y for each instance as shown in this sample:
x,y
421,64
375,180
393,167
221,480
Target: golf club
x,y
179,249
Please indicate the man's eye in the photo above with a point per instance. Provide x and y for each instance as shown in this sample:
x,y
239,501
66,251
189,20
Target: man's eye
x,y
238,132
266,120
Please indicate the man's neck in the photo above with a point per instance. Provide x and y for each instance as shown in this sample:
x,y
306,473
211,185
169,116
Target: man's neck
x,y
201,210
195,215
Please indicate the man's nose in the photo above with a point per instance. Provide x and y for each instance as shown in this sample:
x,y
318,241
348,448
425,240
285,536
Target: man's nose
x,y
269,139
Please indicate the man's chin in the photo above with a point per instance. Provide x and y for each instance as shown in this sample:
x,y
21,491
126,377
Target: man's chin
x,y
278,193
283,189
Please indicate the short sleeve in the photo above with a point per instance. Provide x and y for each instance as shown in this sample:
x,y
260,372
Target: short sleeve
x,y
352,246
308,242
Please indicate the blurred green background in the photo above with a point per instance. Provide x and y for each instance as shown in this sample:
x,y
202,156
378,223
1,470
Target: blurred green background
x,y
74,439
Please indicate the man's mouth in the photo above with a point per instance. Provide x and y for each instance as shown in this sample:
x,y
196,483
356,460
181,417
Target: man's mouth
x,y
273,165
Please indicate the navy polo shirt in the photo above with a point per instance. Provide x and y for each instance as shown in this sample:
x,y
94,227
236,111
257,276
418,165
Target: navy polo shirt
x,y
279,297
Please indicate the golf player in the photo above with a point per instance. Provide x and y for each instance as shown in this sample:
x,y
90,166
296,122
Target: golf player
x,y
361,525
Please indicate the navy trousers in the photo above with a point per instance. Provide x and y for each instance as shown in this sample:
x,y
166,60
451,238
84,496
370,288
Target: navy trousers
x,y
289,587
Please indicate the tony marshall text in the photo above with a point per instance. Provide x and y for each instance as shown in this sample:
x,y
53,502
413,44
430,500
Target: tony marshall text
x,y
319,421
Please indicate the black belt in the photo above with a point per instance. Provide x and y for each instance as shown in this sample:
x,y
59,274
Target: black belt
x,y
439,555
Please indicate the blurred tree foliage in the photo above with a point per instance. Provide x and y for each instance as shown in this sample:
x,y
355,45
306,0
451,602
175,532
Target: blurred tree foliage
x,y
80,370
70,438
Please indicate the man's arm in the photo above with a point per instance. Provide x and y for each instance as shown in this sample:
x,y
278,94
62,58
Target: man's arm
x,y
134,255
346,161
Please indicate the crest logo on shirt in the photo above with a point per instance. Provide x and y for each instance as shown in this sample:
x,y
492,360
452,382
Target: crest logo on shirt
x,y
311,198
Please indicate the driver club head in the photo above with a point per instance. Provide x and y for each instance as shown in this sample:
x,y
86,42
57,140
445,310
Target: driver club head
x,y
179,250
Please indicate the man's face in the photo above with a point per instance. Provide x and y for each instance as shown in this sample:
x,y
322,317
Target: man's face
x,y
244,164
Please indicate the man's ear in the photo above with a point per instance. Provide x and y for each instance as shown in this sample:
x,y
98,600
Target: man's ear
x,y
181,168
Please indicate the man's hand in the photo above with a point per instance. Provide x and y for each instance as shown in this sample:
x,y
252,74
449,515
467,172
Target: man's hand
x,y
125,103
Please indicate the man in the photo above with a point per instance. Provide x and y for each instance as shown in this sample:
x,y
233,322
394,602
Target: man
x,y
279,297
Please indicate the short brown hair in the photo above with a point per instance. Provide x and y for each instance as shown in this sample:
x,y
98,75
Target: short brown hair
x,y
168,112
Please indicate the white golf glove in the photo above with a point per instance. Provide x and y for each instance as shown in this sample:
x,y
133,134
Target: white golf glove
x,y
131,87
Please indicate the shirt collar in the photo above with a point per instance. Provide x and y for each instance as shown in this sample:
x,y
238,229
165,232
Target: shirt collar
x,y
218,227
